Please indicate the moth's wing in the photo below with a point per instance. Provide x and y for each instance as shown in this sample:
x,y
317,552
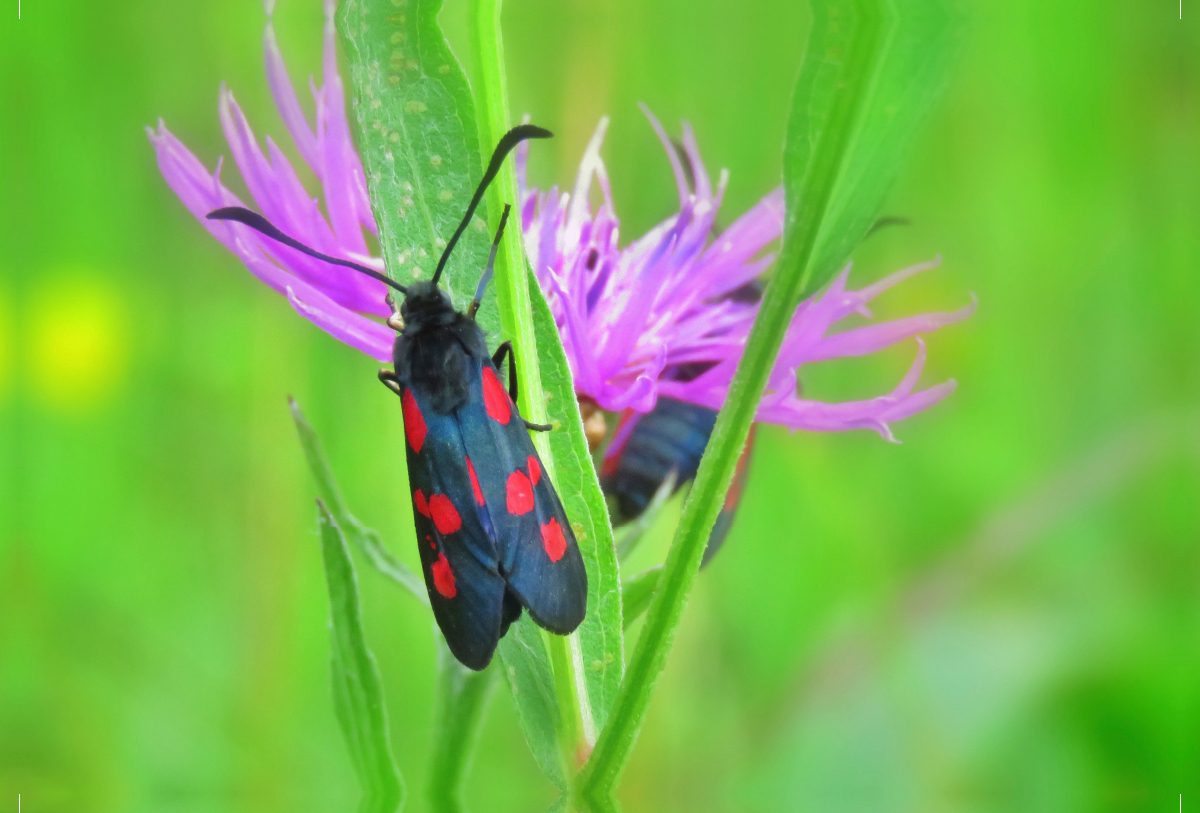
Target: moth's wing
x,y
538,554
458,555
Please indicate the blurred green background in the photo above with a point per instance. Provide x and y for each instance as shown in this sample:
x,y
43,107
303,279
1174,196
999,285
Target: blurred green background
x,y
1001,614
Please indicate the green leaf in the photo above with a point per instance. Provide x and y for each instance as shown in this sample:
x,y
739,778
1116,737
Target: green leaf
x,y
916,50
422,142
418,140
366,539
531,682
357,689
601,634
588,665
461,699
636,592
833,93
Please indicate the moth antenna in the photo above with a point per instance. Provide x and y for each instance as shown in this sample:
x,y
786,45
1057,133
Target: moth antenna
x,y
491,263
509,140
259,223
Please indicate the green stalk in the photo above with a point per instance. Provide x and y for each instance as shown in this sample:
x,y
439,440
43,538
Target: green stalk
x,y
461,698
856,27
512,286
516,320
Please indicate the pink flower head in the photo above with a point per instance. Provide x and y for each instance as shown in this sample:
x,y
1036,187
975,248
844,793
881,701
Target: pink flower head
x,y
336,299
632,319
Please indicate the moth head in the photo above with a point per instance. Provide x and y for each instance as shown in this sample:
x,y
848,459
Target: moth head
x,y
425,302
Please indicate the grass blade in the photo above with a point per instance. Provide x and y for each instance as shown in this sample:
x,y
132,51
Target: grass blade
x,y
915,53
462,697
357,689
367,540
637,591
601,637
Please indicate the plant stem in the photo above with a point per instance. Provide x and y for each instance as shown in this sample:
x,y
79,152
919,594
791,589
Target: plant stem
x,y
462,696
853,69
516,320
512,291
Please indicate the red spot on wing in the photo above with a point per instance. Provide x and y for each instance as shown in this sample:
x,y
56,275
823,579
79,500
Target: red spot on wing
x,y
443,577
734,495
535,470
420,502
519,493
553,540
445,516
414,423
495,399
616,448
474,483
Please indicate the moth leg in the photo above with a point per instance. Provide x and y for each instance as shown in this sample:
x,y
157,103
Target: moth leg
x,y
388,377
505,349
395,322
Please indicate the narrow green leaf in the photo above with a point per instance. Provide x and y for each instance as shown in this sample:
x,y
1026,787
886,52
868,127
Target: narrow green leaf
x,y
636,592
601,635
837,71
419,142
531,681
915,54
365,538
461,700
357,689
589,664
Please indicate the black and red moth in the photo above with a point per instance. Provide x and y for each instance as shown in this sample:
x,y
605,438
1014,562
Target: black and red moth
x,y
492,533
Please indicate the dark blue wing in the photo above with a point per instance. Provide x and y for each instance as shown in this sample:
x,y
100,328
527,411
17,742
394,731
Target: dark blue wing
x,y
537,553
458,555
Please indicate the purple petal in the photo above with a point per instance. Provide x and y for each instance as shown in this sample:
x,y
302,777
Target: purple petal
x,y
342,166
346,326
865,340
287,102
672,156
703,184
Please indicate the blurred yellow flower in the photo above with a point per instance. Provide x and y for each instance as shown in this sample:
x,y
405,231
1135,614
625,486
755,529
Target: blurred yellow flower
x,y
7,331
78,354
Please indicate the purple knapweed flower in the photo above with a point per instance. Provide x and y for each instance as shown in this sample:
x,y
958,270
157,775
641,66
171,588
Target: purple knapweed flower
x,y
337,300
631,318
